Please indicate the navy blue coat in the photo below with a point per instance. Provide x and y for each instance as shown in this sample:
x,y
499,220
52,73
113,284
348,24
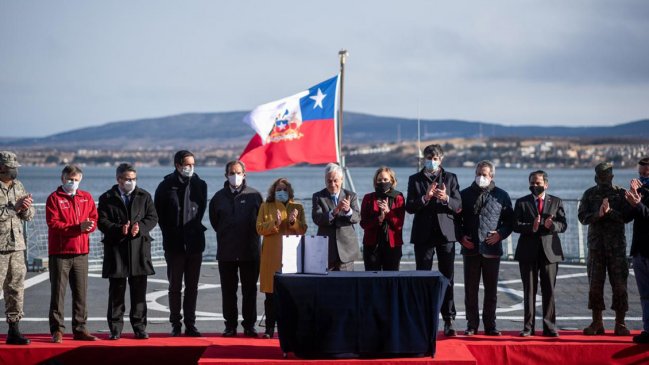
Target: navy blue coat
x,y
496,214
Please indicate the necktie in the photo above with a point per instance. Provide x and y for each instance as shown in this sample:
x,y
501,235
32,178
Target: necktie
x,y
540,205
334,199
126,200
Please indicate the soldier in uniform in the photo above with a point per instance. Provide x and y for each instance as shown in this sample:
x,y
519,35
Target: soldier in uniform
x,y
15,207
605,210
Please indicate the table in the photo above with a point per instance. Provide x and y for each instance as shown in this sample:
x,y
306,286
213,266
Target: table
x,y
359,314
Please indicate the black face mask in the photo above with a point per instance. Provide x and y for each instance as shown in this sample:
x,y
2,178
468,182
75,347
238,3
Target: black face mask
x,y
537,190
10,174
382,188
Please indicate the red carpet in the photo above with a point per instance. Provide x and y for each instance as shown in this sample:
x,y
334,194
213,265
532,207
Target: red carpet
x,y
570,348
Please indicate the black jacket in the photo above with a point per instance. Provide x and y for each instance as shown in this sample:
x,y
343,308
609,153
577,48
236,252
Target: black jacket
x,y
169,201
434,222
496,214
640,243
234,219
525,212
126,256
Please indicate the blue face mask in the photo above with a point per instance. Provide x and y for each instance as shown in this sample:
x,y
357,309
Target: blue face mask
x,y
431,165
644,180
281,196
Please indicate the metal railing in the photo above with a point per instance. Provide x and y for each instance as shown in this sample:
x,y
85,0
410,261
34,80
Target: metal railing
x,y
573,240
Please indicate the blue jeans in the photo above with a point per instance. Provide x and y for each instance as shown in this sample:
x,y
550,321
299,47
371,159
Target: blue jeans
x,y
641,270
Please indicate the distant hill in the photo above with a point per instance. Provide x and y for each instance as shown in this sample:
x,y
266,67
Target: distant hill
x,y
222,130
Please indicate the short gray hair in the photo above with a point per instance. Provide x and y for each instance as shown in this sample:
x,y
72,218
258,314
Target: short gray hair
x,y
333,167
488,164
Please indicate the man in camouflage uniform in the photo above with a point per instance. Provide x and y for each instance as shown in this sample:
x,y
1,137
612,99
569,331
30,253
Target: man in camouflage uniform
x,y
15,207
605,210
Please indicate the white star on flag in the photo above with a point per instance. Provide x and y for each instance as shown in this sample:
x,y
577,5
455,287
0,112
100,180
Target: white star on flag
x,y
318,99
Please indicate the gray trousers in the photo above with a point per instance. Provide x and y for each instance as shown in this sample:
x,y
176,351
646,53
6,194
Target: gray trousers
x,y
12,278
66,269
474,267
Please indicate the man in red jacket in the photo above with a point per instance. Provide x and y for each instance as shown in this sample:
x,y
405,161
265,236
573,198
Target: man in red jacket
x,y
71,216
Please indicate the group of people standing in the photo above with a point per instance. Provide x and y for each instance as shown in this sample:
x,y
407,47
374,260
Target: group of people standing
x,y
479,217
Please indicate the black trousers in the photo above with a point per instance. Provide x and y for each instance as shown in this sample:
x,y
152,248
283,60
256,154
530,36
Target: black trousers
x,y
530,274
116,305
230,273
381,257
188,267
271,314
474,267
424,253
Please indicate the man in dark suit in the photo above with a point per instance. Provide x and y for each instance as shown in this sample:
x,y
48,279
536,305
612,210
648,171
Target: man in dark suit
x,y
434,199
539,218
126,216
181,200
335,211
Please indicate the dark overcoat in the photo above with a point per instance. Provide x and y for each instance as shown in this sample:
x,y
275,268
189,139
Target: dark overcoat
x,y
125,255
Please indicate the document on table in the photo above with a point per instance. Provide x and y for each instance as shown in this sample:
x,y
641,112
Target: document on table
x,y
291,254
316,251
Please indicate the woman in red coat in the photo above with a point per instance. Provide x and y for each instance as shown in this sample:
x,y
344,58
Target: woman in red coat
x,y
382,215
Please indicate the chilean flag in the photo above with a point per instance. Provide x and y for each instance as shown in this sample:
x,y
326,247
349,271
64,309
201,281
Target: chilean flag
x,y
298,128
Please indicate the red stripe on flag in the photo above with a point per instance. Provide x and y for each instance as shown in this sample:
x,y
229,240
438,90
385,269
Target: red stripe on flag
x,y
316,146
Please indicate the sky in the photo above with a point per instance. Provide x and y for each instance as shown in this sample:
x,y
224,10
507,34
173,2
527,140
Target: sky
x,y
72,64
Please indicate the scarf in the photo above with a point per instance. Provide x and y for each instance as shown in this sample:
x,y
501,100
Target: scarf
x,y
483,194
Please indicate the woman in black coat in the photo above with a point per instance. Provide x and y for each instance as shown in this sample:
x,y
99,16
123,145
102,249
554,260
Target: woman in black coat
x,y
126,216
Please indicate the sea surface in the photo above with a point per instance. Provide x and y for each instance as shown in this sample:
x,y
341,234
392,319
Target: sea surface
x,y
565,183
568,184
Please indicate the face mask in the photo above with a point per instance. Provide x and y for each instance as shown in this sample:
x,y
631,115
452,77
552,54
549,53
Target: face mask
x,y
70,186
187,171
235,180
431,165
537,190
604,181
644,180
482,181
281,196
10,174
129,186
383,187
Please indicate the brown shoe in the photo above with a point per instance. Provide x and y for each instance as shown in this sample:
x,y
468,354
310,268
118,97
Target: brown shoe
x,y
84,336
57,337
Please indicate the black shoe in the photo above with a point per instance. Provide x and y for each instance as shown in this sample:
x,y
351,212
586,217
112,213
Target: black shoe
x,y
526,333
643,337
470,332
141,335
449,331
175,331
14,337
492,332
114,336
191,331
229,332
250,332
551,333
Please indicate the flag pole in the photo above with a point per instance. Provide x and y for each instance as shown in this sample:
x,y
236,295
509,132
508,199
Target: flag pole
x,y
342,54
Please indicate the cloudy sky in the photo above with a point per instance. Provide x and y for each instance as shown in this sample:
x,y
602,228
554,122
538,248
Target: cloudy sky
x,y
72,64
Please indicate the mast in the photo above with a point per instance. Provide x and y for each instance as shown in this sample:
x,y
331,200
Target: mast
x,y
342,54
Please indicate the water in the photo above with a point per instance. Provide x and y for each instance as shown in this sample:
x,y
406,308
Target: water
x,y
568,184
565,183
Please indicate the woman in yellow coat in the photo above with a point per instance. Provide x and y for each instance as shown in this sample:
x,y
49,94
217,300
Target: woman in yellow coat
x,y
279,215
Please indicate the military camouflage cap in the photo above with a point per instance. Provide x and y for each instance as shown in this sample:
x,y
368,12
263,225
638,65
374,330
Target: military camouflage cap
x,y
604,168
8,159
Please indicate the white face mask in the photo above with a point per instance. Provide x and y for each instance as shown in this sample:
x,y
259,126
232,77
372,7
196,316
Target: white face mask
x,y
281,196
187,171
70,186
129,186
482,181
235,180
